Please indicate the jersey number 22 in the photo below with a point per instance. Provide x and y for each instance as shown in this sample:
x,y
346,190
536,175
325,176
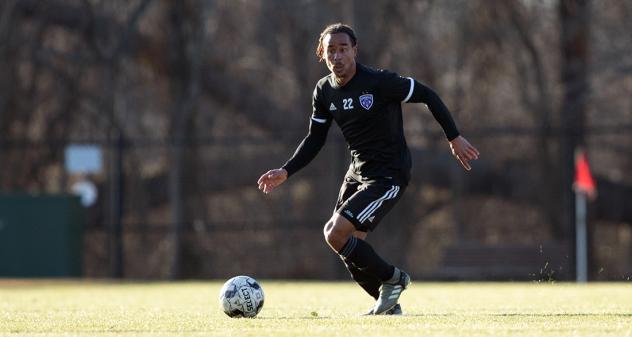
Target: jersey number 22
x,y
347,103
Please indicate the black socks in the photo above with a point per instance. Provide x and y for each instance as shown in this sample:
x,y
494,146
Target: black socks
x,y
359,254
368,282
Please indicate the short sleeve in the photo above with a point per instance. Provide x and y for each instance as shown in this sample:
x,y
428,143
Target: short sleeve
x,y
395,87
319,113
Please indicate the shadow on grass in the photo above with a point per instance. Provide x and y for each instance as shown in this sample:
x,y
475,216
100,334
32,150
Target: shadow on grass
x,y
428,315
596,314
615,314
295,318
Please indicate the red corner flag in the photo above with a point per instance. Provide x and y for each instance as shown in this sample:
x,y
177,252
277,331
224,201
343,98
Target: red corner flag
x,y
584,181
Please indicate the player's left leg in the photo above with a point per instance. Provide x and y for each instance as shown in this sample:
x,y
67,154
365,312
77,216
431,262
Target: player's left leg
x,y
364,210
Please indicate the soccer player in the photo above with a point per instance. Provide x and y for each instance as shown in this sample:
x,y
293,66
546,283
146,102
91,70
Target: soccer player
x,y
366,105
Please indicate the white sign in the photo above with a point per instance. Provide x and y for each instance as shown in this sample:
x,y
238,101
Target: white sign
x,y
83,158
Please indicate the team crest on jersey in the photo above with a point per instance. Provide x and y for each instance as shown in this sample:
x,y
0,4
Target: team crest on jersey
x,y
366,101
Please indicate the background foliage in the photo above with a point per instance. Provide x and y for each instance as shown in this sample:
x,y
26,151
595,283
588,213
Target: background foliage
x,y
192,100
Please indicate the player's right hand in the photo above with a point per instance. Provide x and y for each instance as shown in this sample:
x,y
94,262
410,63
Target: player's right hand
x,y
271,179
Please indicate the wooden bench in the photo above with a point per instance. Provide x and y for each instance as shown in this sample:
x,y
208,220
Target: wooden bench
x,y
478,261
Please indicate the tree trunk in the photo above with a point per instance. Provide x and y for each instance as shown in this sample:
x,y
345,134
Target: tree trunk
x,y
187,44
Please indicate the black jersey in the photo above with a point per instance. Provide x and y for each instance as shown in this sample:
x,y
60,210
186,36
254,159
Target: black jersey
x,y
368,111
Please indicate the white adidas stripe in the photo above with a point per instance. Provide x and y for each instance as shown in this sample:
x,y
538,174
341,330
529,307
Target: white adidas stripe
x,y
319,120
368,211
378,203
398,289
410,92
373,203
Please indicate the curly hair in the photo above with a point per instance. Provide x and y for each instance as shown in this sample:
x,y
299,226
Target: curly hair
x,y
333,29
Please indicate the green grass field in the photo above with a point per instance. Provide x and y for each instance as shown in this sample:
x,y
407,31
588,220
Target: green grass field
x,y
101,308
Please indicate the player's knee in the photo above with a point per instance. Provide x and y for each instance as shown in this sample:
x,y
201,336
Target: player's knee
x,y
336,234
330,234
327,229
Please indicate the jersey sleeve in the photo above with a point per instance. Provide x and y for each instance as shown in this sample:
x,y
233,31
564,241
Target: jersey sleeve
x,y
421,93
396,88
319,113
315,139
406,89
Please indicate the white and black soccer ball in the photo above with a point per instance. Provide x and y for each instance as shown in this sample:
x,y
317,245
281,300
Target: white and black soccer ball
x,y
241,296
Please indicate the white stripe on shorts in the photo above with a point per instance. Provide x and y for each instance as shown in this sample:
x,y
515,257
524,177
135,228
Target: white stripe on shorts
x,y
368,211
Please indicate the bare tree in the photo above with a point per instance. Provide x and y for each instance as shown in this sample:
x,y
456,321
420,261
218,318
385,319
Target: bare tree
x,y
187,42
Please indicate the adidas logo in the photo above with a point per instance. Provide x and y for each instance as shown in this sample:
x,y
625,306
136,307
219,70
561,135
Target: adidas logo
x,y
371,219
396,292
332,107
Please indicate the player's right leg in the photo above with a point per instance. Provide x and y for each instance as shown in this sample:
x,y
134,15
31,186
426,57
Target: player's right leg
x,y
358,253
368,282
376,200
394,311
371,285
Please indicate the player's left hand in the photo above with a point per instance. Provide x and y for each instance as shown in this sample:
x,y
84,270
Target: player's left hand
x,y
271,179
463,151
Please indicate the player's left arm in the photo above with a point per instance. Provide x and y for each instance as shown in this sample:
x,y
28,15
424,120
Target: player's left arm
x,y
408,90
461,148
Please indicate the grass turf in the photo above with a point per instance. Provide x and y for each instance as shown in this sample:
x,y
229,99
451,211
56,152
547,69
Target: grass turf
x,y
102,308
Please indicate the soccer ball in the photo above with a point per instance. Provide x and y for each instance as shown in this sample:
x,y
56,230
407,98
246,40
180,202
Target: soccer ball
x,y
241,296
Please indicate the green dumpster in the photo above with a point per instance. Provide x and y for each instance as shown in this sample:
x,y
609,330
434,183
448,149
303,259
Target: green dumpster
x,y
40,235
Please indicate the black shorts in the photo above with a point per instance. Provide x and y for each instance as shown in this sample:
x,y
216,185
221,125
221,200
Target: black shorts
x,y
365,202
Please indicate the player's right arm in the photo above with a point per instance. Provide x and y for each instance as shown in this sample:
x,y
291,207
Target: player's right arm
x,y
306,150
271,179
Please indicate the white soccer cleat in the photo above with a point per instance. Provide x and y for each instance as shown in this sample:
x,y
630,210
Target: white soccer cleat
x,y
389,294
395,311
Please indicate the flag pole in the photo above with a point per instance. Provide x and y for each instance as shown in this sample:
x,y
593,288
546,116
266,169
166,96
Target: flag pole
x,y
584,187
581,242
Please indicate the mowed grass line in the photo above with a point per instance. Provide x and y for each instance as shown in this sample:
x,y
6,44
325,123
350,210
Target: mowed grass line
x,y
102,308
